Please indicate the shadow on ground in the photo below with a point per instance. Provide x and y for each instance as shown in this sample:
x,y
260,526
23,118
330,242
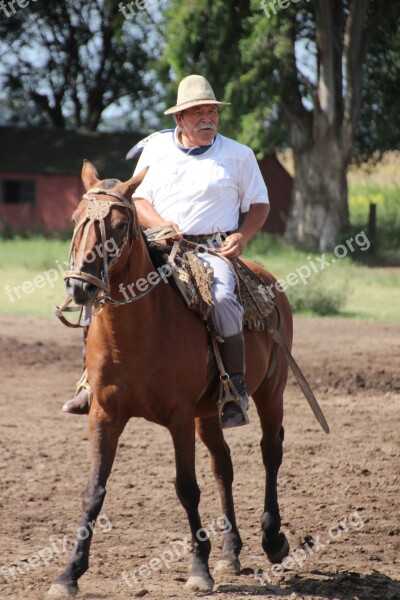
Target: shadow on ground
x,y
340,586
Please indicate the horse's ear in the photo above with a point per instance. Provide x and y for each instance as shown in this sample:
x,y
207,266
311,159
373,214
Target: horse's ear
x,y
128,187
90,176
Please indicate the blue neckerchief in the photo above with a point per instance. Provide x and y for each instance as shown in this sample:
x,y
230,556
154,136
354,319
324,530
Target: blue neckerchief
x,y
194,150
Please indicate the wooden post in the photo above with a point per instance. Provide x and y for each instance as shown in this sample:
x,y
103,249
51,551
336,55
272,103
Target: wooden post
x,y
372,227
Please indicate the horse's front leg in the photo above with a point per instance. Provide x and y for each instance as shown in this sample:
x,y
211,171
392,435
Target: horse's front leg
x,y
211,435
182,429
103,440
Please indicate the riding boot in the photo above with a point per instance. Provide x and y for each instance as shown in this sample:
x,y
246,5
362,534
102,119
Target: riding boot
x,y
233,358
79,405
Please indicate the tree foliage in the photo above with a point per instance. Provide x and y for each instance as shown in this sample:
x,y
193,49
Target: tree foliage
x,y
64,63
378,127
202,37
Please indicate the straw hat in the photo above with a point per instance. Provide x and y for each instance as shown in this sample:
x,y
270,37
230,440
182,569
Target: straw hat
x,y
193,90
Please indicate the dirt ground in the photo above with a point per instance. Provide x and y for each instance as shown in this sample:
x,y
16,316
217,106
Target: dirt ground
x,y
341,489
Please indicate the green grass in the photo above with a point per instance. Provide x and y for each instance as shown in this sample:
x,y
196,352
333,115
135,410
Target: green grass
x,y
36,253
347,287
23,260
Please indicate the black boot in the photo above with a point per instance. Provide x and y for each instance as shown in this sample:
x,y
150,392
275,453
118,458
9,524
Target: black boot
x,y
79,405
232,354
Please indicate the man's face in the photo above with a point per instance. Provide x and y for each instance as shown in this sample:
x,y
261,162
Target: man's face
x,y
199,125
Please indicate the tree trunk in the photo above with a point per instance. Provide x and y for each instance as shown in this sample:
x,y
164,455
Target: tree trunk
x,y
322,139
319,210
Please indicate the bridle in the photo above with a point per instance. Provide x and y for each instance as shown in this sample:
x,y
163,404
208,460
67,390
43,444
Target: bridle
x,y
97,210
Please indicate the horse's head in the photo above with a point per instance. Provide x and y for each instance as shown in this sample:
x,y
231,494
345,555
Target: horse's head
x,y
105,224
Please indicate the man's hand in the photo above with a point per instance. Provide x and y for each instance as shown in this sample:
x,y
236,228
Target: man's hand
x,y
233,245
236,242
179,235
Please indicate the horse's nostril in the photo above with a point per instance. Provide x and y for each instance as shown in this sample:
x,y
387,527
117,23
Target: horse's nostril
x,y
89,288
82,292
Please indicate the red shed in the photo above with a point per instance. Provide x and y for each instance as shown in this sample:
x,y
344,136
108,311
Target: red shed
x,y
40,183
280,187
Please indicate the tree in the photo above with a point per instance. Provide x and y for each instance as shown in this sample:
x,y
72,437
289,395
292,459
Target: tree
x,y
64,63
294,73
200,39
378,127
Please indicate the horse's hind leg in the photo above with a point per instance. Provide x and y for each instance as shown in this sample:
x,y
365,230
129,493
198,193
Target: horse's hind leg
x,y
104,439
210,433
269,402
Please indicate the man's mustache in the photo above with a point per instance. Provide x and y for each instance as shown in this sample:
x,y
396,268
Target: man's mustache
x,y
201,126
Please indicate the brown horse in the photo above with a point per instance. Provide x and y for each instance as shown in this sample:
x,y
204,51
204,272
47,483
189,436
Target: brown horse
x,y
149,359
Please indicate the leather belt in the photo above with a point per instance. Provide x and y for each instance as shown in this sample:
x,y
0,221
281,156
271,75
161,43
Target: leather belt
x,y
207,236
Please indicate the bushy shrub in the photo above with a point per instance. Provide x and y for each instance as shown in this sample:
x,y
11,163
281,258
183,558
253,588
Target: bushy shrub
x,y
318,298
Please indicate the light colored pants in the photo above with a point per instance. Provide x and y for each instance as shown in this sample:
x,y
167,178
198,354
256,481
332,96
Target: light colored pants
x,y
227,312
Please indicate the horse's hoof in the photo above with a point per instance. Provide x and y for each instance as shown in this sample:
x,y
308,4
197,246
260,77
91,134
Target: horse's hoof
x,y
199,583
277,557
227,567
59,591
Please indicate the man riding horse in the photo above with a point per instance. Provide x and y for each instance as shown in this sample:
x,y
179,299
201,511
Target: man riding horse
x,y
198,182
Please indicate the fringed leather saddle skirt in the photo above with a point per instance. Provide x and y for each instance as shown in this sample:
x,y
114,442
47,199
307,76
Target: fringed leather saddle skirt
x,y
194,279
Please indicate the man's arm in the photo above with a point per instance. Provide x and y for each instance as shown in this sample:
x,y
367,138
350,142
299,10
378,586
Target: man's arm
x,y
149,217
253,221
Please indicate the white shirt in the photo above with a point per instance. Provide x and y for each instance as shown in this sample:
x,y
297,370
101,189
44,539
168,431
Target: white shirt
x,y
201,193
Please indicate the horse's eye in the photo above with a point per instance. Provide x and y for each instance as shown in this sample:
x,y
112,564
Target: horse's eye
x,y
121,226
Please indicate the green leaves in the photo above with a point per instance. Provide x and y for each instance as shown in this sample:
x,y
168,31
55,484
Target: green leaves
x,y
65,63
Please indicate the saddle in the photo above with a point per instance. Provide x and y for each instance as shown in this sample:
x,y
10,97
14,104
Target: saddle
x,y
193,279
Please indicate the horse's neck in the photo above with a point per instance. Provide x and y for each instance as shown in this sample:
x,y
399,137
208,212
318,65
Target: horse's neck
x,y
138,276
139,262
